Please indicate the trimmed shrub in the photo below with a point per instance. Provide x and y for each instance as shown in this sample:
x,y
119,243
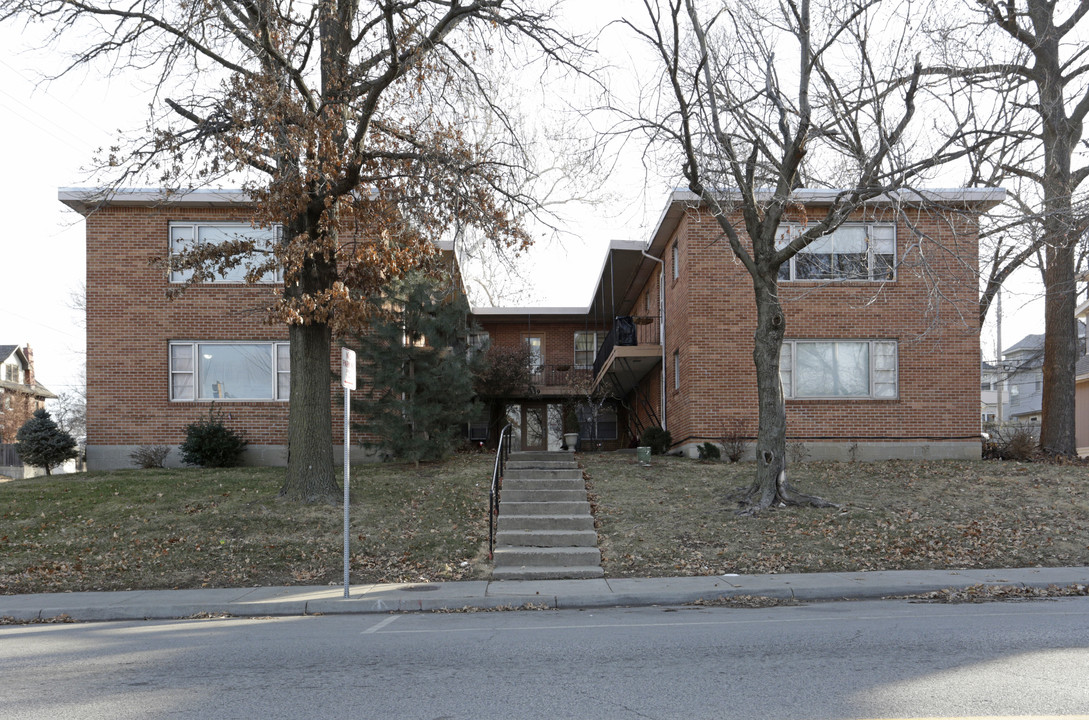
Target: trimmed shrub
x,y
657,439
150,456
210,443
709,451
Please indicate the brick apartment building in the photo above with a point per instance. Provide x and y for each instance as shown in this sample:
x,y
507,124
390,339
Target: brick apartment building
x,y
881,357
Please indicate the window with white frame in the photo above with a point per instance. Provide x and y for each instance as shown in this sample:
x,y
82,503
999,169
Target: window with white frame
x,y
230,371
536,353
676,369
586,346
13,373
187,236
676,257
851,252
839,369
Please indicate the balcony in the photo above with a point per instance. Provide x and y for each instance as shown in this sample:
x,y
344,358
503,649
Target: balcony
x,y
631,350
556,380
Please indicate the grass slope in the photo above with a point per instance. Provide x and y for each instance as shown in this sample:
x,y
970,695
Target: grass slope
x,y
672,518
218,528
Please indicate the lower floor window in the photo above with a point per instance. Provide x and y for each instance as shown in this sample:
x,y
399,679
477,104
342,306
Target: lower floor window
x,y
839,369
603,429
230,371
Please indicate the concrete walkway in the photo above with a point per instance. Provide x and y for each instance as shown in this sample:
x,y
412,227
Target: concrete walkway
x,y
484,595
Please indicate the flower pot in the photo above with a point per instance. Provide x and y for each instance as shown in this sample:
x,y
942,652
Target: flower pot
x,y
570,440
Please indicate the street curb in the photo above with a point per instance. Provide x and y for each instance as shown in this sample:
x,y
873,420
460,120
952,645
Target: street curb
x,y
483,595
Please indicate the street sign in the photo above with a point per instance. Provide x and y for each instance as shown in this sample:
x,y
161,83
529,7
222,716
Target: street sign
x,y
347,369
347,381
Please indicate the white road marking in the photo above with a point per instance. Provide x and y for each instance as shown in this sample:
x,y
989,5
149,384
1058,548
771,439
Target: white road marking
x,y
378,626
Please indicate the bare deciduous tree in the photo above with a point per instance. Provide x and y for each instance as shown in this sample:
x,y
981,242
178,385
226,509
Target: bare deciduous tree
x,y
1027,58
366,130
764,99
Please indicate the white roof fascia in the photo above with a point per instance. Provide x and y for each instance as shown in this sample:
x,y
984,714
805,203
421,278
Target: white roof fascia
x,y
528,310
85,200
680,198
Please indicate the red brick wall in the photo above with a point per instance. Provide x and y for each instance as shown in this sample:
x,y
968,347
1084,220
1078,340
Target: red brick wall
x,y
557,336
709,311
130,322
711,319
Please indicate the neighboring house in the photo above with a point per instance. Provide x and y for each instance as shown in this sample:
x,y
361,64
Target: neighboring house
x,y
1081,383
20,395
1023,374
873,364
1024,370
994,400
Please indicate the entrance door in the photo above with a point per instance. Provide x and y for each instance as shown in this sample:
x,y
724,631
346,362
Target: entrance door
x,y
534,426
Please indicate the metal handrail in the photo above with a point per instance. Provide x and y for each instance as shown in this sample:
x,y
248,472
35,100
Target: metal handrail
x,y
501,454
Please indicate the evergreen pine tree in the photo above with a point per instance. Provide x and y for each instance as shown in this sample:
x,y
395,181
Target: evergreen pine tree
x,y
41,443
418,379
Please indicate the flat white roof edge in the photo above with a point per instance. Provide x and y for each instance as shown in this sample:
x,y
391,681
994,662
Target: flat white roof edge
x,y
983,194
530,310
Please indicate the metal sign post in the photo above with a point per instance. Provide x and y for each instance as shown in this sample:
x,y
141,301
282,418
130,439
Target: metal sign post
x,y
347,381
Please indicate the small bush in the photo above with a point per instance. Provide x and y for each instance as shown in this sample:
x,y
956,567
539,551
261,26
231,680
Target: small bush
x,y
657,439
1010,442
797,451
709,451
150,456
210,443
735,440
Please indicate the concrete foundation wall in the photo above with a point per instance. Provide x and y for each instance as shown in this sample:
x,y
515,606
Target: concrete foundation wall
x,y
870,451
116,457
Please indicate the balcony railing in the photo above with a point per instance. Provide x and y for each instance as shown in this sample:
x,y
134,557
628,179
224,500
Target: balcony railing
x,y
556,375
628,331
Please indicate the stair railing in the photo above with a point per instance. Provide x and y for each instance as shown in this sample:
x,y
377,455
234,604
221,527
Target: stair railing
x,y
501,454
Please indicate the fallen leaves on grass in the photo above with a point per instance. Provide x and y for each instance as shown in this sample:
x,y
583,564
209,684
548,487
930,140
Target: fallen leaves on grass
x,y
674,519
183,528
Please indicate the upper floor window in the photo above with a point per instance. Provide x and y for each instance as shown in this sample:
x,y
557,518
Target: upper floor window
x,y
536,353
851,252
586,346
676,261
839,369
185,236
230,371
13,373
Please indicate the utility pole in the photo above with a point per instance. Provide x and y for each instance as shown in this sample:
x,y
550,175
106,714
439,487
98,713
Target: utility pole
x,y
999,367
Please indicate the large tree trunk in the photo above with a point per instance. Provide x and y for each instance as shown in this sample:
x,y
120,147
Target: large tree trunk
x,y
310,420
1060,136
770,489
1060,352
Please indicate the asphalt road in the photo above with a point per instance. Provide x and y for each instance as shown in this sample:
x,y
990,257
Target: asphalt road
x,y
874,659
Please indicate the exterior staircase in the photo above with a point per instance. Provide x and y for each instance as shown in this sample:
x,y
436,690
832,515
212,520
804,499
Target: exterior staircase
x,y
545,528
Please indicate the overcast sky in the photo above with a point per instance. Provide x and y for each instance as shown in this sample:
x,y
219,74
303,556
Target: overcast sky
x,y
50,132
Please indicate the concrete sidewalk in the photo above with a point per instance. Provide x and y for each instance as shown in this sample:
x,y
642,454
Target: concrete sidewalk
x,y
483,594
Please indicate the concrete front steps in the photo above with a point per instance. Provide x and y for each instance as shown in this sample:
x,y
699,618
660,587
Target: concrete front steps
x,y
545,528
